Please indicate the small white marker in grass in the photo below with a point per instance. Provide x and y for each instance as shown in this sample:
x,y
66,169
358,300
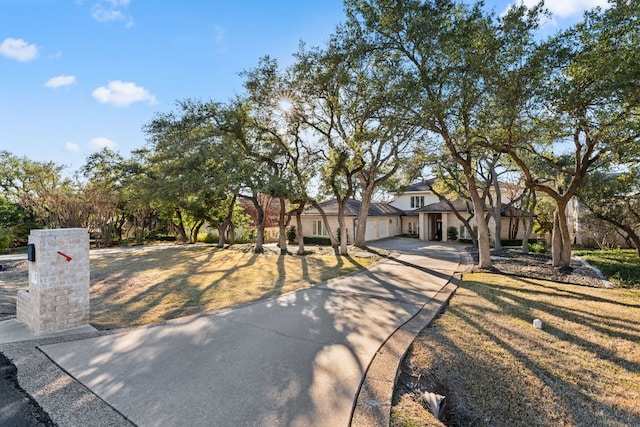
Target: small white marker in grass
x,y
537,323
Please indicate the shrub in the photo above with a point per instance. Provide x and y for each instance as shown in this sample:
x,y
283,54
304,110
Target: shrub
x,y
210,238
325,241
516,242
537,248
6,238
452,233
291,234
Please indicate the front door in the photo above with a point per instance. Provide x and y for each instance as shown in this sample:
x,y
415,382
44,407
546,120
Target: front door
x,y
436,226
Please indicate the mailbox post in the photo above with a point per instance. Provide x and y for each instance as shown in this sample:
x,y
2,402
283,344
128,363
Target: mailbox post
x,y
58,295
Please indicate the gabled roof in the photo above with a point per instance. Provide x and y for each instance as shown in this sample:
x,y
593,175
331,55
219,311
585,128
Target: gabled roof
x,y
352,208
458,205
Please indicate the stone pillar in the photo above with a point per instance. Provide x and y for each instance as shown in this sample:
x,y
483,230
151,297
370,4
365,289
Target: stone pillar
x,y
58,296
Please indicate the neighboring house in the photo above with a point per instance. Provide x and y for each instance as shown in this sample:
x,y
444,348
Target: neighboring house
x,y
384,220
414,210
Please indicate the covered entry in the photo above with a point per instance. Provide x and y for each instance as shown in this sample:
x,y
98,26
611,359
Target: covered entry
x,y
435,226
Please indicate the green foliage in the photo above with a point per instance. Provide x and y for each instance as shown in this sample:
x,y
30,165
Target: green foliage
x,y
291,234
210,238
322,241
538,248
620,266
515,242
6,238
452,233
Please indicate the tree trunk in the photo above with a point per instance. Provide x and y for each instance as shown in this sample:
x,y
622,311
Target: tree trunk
x,y
343,229
561,240
325,221
182,233
565,238
221,229
299,231
363,216
528,223
282,228
497,210
484,246
195,231
259,248
633,236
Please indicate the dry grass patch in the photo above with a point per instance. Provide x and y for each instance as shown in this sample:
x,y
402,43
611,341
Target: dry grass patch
x,y
152,286
483,354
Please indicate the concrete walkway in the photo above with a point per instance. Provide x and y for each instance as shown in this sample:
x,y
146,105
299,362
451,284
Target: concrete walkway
x,y
298,360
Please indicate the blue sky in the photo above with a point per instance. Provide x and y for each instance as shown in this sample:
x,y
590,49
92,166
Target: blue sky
x,y
77,75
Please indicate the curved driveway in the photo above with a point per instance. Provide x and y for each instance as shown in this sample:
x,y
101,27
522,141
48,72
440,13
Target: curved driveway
x,y
295,360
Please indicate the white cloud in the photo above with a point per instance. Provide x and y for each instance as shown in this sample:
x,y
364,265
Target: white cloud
x,y
60,81
18,49
567,8
118,92
112,10
71,147
101,142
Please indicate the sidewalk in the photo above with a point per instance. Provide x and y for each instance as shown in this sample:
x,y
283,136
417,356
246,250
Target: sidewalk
x,y
297,360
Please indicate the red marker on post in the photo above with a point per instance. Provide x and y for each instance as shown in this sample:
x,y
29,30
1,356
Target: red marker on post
x,y
67,257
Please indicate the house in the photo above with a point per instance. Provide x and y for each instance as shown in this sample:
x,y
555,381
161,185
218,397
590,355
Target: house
x,y
384,220
415,210
429,217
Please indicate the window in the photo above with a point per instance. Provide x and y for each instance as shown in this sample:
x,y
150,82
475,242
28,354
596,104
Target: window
x,y
464,233
417,202
319,228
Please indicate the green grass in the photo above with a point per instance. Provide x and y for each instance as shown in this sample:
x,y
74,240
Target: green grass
x,y
494,368
620,266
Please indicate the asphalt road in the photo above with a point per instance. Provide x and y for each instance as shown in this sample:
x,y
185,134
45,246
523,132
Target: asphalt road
x,y
17,408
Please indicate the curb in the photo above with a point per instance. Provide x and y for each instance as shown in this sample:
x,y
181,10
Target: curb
x,y
373,402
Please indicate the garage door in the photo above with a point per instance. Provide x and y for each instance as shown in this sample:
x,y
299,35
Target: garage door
x,y
372,230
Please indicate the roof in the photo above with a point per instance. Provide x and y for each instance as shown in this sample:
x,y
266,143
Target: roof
x,y
352,208
460,205
417,186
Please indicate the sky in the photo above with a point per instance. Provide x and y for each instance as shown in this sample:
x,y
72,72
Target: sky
x,y
79,75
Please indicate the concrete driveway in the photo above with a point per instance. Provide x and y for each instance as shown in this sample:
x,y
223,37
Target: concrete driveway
x,y
296,360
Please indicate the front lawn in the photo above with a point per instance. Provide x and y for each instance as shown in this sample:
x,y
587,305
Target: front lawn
x,y
494,368
620,266
153,285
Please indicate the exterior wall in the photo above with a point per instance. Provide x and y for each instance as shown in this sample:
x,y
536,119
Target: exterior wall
x,y
450,219
381,227
307,225
415,227
58,296
403,201
378,227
